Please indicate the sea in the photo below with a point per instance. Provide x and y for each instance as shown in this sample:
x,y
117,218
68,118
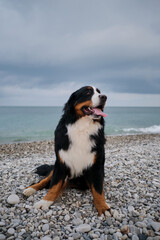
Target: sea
x,y
27,124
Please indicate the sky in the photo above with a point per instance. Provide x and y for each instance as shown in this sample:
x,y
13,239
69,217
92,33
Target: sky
x,y
48,49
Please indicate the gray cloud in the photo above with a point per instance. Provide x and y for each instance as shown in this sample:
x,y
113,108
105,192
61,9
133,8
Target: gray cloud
x,y
48,45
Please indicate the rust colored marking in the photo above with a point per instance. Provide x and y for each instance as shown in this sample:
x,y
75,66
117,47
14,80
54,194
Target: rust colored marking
x,y
60,159
80,105
89,87
94,160
42,183
55,191
99,201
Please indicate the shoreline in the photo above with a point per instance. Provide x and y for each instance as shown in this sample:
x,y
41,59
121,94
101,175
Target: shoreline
x,y
21,149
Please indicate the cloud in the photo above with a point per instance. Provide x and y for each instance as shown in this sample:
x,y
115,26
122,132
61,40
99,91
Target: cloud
x,y
50,45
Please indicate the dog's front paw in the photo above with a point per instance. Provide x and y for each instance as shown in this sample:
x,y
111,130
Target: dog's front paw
x,y
43,204
102,208
29,191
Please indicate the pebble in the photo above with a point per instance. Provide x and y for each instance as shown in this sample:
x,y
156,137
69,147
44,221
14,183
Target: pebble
x,y
125,229
2,224
76,236
135,237
67,218
11,231
141,224
130,208
155,226
124,237
45,227
83,228
45,238
77,221
56,238
2,236
115,214
109,221
128,189
13,199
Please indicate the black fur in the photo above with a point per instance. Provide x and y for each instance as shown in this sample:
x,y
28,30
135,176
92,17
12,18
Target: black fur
x,y
44,170
92,176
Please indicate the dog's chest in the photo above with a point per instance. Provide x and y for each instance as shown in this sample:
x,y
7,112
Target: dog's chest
x,y
79,156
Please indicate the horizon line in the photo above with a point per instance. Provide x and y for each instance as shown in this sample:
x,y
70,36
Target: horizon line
x,y
63,106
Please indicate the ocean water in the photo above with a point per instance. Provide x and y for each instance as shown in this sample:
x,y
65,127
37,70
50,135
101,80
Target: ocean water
x,y
25,124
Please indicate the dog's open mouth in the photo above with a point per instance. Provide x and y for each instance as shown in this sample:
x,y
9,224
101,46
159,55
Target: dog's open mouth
x,y
95,111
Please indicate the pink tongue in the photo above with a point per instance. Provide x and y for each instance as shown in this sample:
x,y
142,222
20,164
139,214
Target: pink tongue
x,y
98,112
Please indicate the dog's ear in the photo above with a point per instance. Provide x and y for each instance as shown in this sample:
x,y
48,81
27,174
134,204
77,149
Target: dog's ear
x,y
70,103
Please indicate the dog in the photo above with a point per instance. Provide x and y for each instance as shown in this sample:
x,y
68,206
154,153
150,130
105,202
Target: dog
x,y
79,150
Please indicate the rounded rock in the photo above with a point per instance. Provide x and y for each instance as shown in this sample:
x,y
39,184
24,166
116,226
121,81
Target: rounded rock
x,y
83,228
155,226
2,236
125,229
135,237
77,221
2,224
130,208
67,218
11,231
115,214
13,199
45,227
56,238
46,238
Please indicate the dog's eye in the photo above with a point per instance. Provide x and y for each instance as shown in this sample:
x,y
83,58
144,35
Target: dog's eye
x,y
98,90
89,92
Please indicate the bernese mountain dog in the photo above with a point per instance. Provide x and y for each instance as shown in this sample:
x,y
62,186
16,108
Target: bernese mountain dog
x,y
79,150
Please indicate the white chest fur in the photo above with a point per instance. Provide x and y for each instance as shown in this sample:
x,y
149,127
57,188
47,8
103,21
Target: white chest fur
x,y
78,157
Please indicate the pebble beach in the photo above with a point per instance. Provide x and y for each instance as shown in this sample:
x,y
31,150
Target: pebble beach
x,y
132,189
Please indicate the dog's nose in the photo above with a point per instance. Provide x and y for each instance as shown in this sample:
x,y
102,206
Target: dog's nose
x,y
103,97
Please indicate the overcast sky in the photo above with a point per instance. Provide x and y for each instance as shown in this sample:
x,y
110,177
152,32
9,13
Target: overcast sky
x,y
50,48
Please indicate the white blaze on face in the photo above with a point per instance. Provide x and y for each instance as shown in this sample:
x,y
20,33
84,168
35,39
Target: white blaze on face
x,y
95,98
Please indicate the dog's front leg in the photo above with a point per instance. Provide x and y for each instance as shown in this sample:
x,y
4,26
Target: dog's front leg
x,y
58,183
99,201
98,193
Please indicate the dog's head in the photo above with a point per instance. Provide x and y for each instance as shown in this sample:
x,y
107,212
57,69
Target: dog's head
x,y
87,101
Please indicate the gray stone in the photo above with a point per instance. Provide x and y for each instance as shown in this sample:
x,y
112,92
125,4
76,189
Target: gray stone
x,y
11,231
2,224
115,214
115,237
155,225
13,199
135,237
77,221
76,235
44,221
109,221
56,238
67,217
142,236
118,234
83,228
46,238
45,227
2,236
130,208
93,235
141,224
133,229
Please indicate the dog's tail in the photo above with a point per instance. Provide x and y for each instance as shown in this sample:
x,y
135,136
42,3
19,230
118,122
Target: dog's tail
x,y
44,170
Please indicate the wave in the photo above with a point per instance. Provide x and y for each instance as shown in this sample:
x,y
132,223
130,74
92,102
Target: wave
x,y
151,129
